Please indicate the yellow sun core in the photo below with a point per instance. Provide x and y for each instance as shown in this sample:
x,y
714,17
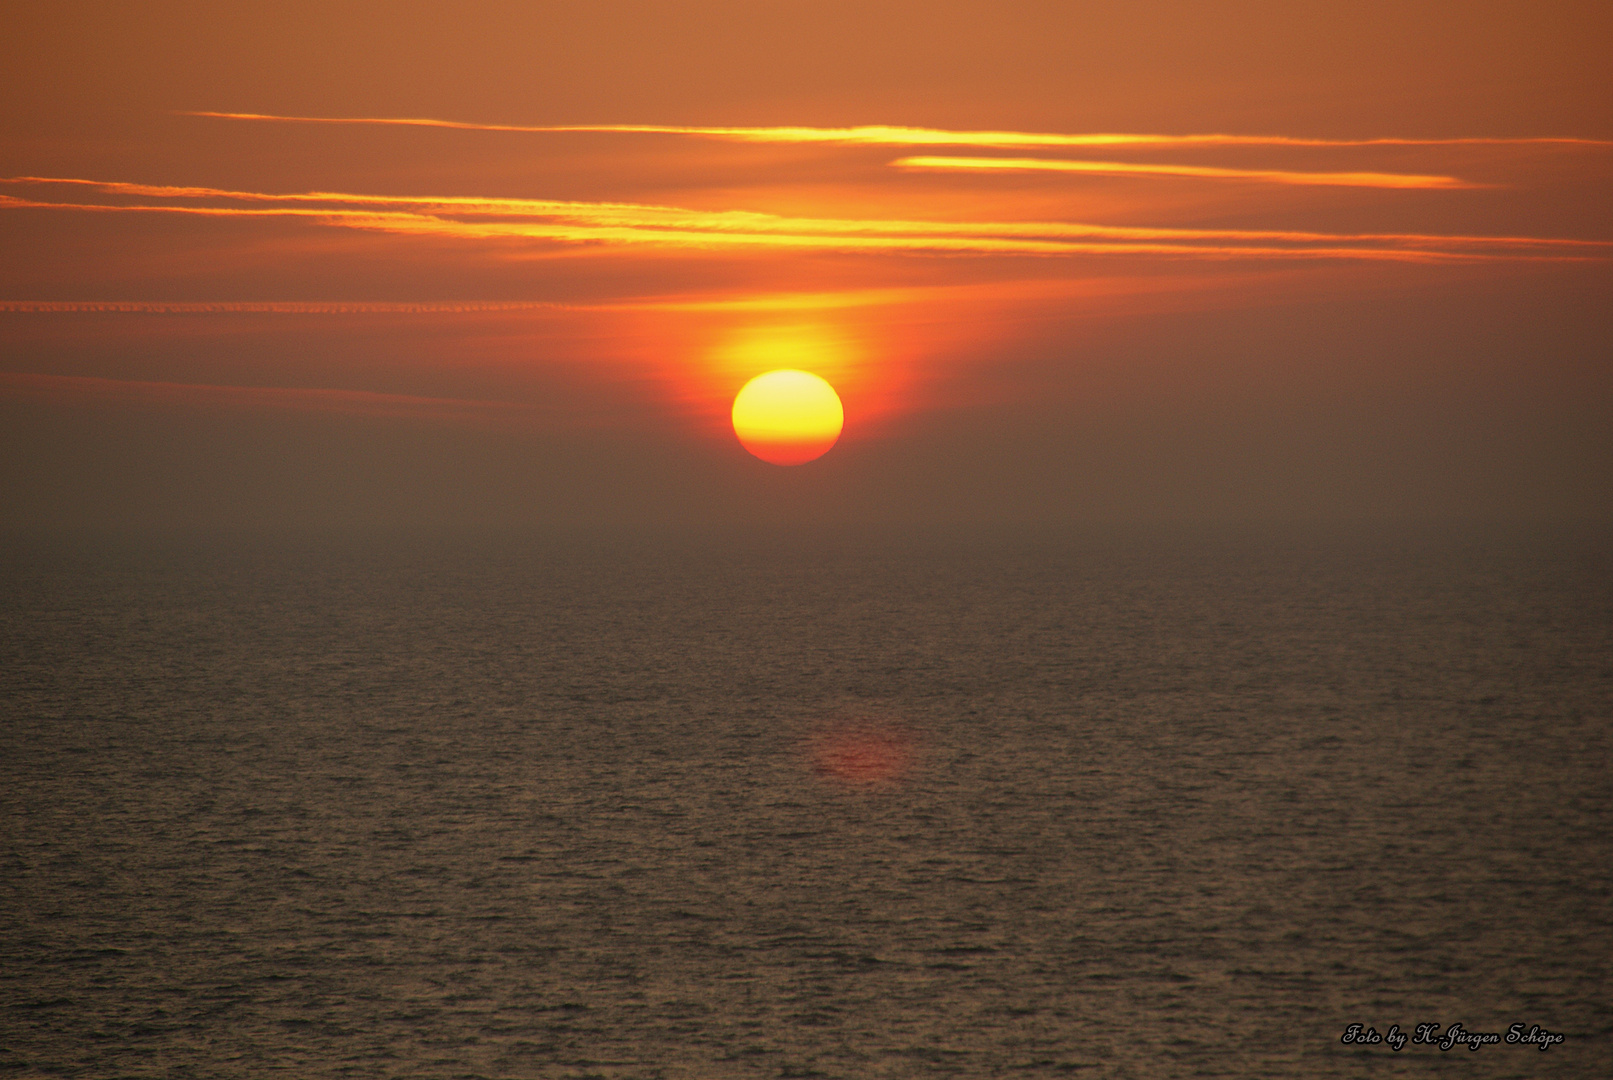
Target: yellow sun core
x,y
788,417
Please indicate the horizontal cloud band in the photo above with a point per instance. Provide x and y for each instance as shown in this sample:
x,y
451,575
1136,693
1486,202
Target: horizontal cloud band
x,y
898,135
1203,172
29,386
625,225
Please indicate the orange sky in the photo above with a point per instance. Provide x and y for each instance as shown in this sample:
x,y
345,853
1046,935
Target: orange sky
x,y
421,264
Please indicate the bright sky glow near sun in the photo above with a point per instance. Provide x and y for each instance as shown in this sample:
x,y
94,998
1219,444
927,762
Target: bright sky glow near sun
x,y
515,263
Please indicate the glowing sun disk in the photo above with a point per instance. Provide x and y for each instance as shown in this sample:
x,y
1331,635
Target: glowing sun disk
x,y
788,417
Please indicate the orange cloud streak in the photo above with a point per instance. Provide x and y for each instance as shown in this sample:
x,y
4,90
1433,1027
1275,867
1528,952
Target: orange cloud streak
x,y
630,225
282,307
777,302
897,135
1016,289
635,215
36,387
1207,172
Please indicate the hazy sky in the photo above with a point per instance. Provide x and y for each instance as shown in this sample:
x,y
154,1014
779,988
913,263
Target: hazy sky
x,y
1382,292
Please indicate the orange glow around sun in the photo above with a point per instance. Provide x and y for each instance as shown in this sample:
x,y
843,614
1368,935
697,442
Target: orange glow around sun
x,y
788,417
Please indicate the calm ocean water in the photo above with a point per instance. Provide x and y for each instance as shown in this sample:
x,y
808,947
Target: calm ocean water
x,y
844,809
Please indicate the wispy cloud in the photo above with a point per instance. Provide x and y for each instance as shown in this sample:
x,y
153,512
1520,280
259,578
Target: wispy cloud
x,y
1013,289
282,307
897,135
606,226
1201,172
39,387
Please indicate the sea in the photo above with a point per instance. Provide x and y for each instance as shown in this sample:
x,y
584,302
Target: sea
x,y
787,804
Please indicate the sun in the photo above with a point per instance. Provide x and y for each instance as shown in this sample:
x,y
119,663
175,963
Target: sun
x,y
788,417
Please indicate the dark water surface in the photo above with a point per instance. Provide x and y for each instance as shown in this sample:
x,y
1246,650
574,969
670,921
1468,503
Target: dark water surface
x,y
1180,809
